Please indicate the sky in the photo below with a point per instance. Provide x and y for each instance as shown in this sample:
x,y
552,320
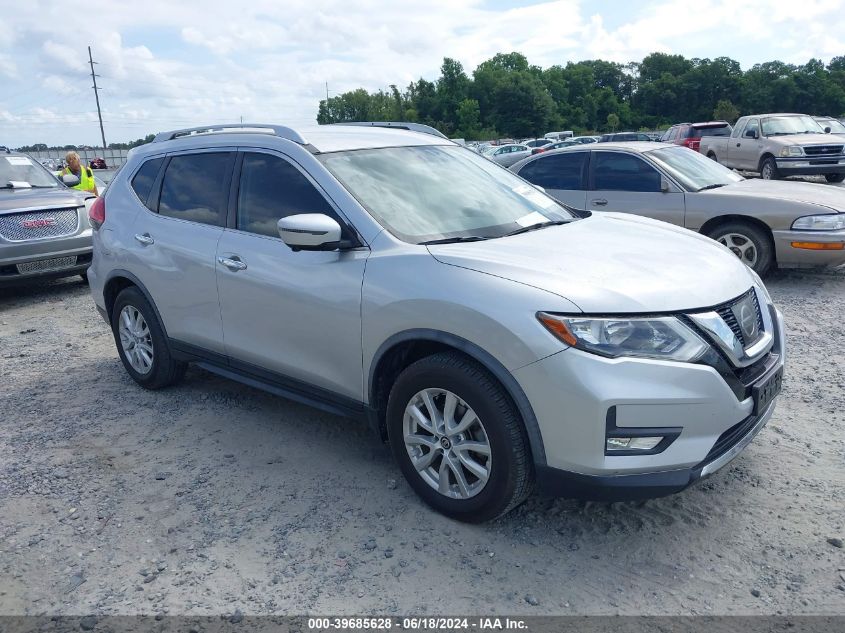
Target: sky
x,y
173,64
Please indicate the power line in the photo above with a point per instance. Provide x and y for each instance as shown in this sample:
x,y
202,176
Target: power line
x,y
97,97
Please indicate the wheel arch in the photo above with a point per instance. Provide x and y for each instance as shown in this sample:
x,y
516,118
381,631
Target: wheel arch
x,y
117,281
763,158
404,348
714,223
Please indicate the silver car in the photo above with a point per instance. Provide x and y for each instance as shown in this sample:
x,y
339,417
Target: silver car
x,y
496,339
44,230
766,224
507,155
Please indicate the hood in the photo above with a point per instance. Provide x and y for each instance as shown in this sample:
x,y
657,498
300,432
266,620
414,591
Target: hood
x,y
806,192
807,139
12,200
611,263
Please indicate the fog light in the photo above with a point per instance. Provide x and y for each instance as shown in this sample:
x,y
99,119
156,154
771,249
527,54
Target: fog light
x,y
632,443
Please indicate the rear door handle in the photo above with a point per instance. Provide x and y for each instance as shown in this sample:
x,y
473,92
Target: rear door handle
x,y
233,263
144,238
739,144
599,202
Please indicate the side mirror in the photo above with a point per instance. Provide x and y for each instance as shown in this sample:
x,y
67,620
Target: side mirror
x,y
664,185
751,133
827,130
70,180
310,232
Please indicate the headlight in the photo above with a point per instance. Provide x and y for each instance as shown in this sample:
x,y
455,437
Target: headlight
x,y
831,222
792,150
665,338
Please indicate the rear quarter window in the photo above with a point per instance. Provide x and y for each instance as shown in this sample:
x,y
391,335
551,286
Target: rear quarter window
x,y
144,179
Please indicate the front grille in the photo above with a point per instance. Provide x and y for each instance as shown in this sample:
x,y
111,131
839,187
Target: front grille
x,y
729,438
726,312
47,264
822,150
38,225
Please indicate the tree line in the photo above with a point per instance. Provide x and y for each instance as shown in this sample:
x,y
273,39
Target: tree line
x,y
43,147
507,96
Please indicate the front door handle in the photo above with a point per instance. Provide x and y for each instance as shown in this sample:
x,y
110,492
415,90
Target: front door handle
x,y
144,238
599,202
739,144
233,263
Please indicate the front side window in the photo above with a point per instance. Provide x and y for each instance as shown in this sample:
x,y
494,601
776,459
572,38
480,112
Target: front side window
x,y
143,181
270,189
618,171
196,187
557,171
753,126
436,192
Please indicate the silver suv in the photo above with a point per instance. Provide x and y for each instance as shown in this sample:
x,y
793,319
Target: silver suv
x,y
44,230
492,335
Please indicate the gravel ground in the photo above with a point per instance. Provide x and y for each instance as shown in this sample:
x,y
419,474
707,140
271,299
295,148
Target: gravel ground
x,y
215,498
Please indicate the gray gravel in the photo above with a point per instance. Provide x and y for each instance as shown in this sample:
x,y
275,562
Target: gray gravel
x,y
214,498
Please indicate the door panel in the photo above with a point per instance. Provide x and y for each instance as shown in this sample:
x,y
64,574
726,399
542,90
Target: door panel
x,y
293,313
561,174
626,183
174,256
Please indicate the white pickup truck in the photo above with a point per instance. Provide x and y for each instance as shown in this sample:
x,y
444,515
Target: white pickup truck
x,y
777,145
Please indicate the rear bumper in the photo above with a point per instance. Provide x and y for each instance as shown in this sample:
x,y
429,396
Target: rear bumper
x,y
806,166
561,483
788,255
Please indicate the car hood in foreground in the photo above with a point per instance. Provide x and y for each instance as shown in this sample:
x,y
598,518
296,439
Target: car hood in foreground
x,y
12,200
806,192
611,263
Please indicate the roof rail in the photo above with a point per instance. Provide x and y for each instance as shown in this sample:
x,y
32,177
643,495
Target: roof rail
x,y
399,125
259,128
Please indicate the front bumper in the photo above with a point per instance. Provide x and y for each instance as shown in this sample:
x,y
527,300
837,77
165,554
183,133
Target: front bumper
x,y
787,255
561,483
811,166
573,391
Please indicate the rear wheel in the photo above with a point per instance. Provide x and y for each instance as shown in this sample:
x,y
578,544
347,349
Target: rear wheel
x,y
712,156
458,438
141,343
748,242
834,177
769,169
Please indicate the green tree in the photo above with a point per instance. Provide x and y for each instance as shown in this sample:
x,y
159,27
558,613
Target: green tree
x,y
612,121
469,119
725,111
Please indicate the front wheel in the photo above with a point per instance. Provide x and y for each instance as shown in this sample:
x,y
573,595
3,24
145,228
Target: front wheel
x,y
769,169
458,438
748,242
834,177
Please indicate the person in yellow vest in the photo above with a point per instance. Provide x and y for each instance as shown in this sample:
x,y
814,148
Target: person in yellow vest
x,y
85,175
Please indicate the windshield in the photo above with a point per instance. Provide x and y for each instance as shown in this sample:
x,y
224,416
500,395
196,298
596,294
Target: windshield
x,y
691,169
783,125
835,125
19,171
437,192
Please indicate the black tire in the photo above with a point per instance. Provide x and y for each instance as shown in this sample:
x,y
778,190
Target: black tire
x,y
164,370
769,169
84,276
834,177
712,157
511,478
761,240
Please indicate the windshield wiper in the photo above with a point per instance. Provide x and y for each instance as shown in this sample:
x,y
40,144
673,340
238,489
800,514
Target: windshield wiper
x,y
534,227
715,185
455,240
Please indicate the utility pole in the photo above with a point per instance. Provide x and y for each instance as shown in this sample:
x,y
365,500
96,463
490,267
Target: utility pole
x,y
327,94
97,97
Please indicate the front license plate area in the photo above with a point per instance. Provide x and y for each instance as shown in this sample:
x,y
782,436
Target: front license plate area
x,y
765,391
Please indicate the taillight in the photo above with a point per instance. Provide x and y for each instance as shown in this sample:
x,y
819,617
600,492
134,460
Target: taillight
x,y
692,143
97,213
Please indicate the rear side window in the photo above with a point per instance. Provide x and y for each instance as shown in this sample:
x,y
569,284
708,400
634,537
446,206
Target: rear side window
x,y
724,130
557,171
196,187
616,171
143,181
270,189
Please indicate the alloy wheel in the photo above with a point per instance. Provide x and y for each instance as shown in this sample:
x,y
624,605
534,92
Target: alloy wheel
x,y
447,443
741,246
135,339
